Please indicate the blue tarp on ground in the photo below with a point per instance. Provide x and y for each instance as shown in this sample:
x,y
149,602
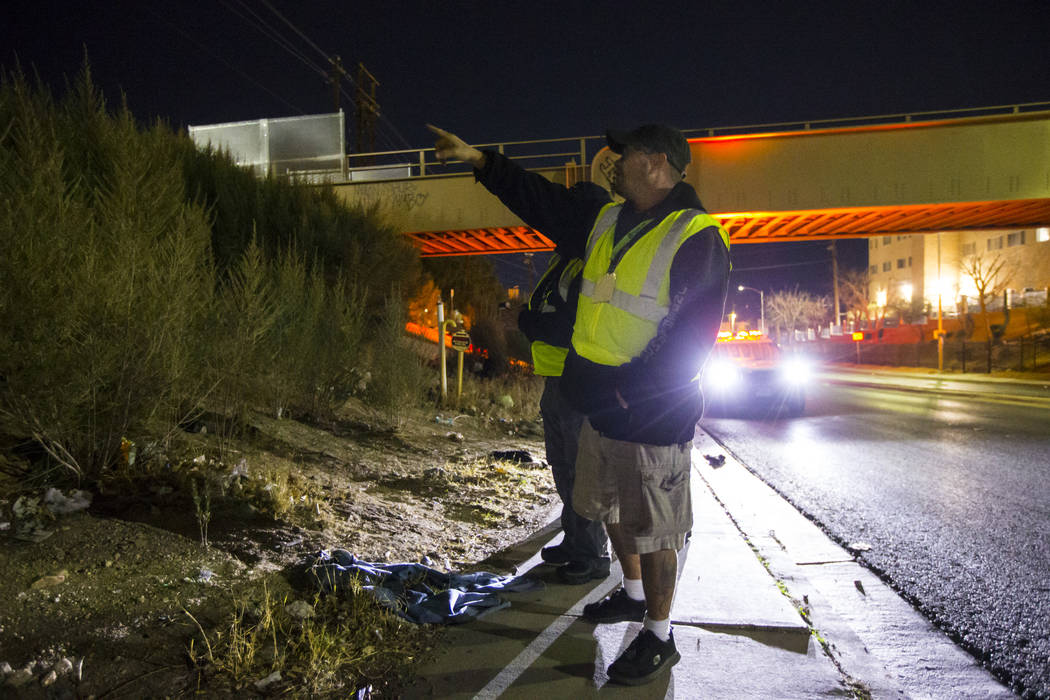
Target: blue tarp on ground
x,y
416,592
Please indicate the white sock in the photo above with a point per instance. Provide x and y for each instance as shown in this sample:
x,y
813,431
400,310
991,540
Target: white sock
x,y
661,628
634,588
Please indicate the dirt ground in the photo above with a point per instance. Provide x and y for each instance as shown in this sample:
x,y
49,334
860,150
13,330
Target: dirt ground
x,y
98,602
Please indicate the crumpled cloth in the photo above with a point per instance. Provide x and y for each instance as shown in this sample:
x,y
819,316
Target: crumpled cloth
x,y
419,593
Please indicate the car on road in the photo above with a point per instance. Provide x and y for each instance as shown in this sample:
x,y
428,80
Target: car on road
x,y
748,374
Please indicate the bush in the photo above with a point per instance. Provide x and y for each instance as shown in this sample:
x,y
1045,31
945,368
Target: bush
x,y
399,374
143,279
105,276
278,216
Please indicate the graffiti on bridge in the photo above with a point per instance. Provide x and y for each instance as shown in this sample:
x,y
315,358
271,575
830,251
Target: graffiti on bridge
x,y
404,196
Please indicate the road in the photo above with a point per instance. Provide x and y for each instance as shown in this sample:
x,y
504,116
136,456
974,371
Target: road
x,y
950,490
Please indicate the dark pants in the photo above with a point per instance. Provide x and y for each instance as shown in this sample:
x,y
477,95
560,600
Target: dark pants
x,y
584,540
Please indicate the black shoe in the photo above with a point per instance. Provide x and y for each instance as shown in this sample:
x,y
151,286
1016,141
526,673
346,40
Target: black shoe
x,y
618,607
577,572
556,554
644,660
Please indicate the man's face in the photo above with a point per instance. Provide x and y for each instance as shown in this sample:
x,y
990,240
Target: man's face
x,y
631,171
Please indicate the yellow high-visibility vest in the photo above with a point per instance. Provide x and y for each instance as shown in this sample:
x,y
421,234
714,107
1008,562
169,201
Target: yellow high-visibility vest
x,y
549,360
619,309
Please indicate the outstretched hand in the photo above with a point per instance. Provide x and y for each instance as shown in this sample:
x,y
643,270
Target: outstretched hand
x,y
448,146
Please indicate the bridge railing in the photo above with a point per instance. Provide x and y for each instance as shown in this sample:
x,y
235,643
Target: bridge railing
x,y
572,155
846,122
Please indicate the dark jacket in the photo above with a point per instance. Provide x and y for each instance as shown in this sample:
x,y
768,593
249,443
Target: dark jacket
x,y
549,317
661,385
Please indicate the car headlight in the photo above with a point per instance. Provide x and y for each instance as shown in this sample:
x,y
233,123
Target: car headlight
x,y
721,374
796,370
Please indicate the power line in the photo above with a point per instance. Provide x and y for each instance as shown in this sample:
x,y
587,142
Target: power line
x,y
502,259
296,30
283,42
397,133
229,65
275,36
770,267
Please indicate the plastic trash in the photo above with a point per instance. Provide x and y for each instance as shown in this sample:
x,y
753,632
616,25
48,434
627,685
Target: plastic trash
x,y
60,504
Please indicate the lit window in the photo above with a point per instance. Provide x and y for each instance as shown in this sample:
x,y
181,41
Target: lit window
x,y
1042,234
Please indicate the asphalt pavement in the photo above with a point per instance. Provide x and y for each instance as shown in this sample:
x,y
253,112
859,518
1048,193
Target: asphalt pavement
x,y
1033,388
766,607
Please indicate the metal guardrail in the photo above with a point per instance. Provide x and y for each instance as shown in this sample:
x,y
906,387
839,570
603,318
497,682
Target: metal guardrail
x,y
846,122
557,153
537,154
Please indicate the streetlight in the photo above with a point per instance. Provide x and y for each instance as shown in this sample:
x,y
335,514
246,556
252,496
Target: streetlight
x,y
761,304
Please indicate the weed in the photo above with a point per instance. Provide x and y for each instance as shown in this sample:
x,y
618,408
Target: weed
x,y
331,644
486,395
202,507
399,375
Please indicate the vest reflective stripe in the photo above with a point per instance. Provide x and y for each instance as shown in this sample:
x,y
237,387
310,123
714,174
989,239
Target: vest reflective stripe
x,y
571,271
615,331
645,305
636,306
606,220
548,360
665,253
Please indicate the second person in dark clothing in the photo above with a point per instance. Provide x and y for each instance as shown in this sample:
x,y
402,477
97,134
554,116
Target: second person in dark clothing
x,y
547,322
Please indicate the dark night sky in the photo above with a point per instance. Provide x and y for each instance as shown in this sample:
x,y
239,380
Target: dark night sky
x,y
501,71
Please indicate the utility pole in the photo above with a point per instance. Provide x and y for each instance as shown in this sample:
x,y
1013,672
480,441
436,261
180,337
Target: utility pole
x,y
335,74
367,109
940,311
532,270
835,281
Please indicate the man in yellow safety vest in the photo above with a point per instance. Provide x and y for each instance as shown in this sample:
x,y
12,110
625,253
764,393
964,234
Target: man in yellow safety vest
x,y
655,277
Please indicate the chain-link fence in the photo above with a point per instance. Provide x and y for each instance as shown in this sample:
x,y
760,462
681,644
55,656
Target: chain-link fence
x,y
1025,353
309,147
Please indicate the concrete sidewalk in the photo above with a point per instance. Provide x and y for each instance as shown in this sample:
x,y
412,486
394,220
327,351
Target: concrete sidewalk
x,y
766,607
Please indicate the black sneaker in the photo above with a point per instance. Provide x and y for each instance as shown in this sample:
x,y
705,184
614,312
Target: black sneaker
x,y
577,572
618,607
555,555
644,660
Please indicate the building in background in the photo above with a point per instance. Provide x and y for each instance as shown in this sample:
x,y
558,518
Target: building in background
x,y
909,270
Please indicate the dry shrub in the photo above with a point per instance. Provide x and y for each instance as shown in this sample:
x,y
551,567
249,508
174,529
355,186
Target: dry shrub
x,y
142,280
105,273
399,376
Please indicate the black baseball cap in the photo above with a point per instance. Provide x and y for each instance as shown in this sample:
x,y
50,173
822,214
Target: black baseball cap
x,y
655,138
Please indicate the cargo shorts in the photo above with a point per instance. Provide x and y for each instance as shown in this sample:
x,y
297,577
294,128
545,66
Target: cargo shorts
x,y
643,488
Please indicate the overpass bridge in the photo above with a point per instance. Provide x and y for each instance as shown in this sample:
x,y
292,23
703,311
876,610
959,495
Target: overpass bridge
x,y
986,168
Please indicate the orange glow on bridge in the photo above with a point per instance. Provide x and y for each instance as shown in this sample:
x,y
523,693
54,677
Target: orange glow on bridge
x,y
862,222
774,226
483,241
